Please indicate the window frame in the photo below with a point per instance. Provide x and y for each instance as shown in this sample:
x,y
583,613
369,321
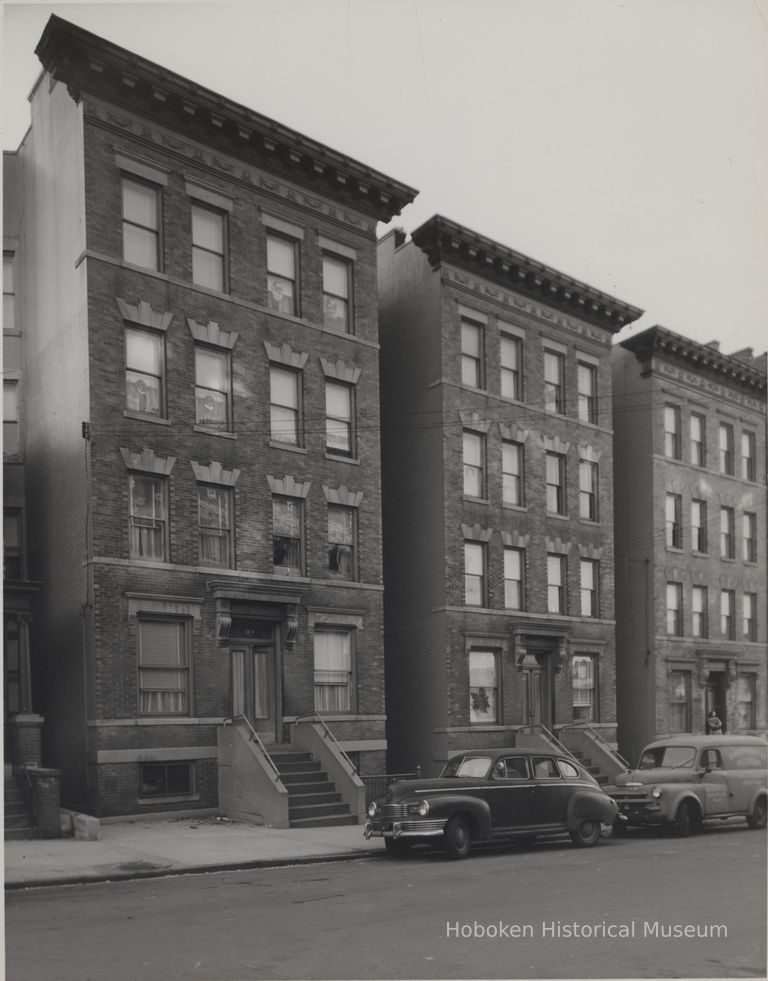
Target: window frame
x,y
347,301
349,686
674,609
273,303
205,391
184,627
589,496
474,471
557,586
683,701
726,447
510,582
673,519
12,424
346,424
554,389
748,678
749,616
511,375
145,794
223,256
699,611
158,338
727,532
749,536
352,545
289,569
295,412
478,549
587,399
476,692
728,613
672,441
748,455
592,704
699,541
556,492
157,191
13,554
475,359
590,592
698,446
161,524
226,534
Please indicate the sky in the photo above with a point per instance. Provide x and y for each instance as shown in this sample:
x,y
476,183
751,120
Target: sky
x,y
623,142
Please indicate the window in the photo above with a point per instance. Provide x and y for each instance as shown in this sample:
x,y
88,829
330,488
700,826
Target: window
x,y
339,434
587,382
590,582
588,490
165,779
214,505
148,520
141,224
284,405
10,417
341,541
514,595
726,448
333,670
474,464
750,537
699,526
675,609
512,474
698,440
748,466
337,280
9,293
674,520
12,545
483,688
164,684
471,353
144,372
699,619
584,687
680,701
672,432
511,367
282,263
727,544
213,386
556,572
746,696
474,573
554,382
208,247
288,536
555,483
727,613
749,609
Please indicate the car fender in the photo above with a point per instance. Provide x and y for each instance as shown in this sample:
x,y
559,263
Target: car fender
x,y
479,810
673,795
760,792
588,805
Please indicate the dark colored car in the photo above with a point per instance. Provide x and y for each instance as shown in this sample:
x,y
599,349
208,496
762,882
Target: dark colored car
x,y
488,795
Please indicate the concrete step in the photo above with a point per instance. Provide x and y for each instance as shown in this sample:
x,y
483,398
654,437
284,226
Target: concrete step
x,y
297,766
322,797
322,822
304,776
316,810
286,756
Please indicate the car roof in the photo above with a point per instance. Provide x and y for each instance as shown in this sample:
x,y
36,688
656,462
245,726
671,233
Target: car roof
x,y
701,740
511,751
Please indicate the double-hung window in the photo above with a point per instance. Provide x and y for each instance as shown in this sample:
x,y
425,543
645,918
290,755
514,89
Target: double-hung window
x,y
584,687
588,474
514,585
164,682
474,464
675,609
213,388
748,463
483,687
728,613
556,584
746,697
698,440
699,525
10,417
474,574
288,535
12,556
209,236
512,466
148,517
472,346
145,371
333,670
726,448
587,391
9,292
555,463
339,419
554,382
727,543
672,432
282,274
750,537
337,294
674,520
341,541
749,616
141,223
214,506
590,588
680,701
699,618
284,405
511,367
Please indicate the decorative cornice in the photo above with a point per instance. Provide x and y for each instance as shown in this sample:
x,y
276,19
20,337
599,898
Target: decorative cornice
x,y
476,533
470,419
702,358
214,474
147,462
444,241
87,63
142,313
343,496
211,333
288,486
284,354
341,370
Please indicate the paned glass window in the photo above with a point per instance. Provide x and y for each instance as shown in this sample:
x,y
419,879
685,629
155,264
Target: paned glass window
x,y
584,687
750,537
514,566
474,573
471,353
337,280
9,293
284,405
726,448
675,609
282,274
141,224
10,417
727,544
728,613
208,247
555,483
674,520
12,557
474,464
213,387
148,521
749,610
214,506
699,526
164,683
144,371
746,696
339,433
588,501
590,592
483,687
166,779
512,460
341,541
587,382
672,432
554,382
699,619
748,463
333,670
511,367
556,581
698,440
680,701
288,535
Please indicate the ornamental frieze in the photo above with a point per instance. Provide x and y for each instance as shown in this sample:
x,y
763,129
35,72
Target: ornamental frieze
x,y
232,169
702,384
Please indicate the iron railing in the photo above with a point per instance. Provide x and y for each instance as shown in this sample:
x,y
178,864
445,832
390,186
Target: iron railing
x,y
328,735
255,737
552,738
600,739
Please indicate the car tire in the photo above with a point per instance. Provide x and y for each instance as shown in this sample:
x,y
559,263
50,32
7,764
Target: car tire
x,y
685,820
397,848
458,837
586,833
759,816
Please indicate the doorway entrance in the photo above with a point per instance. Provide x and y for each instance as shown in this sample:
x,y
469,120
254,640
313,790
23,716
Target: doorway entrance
x,y
538,691
715,695
255,679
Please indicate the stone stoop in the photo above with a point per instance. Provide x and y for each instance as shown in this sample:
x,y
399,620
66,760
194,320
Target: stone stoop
x,y
313,801
17,810
596,772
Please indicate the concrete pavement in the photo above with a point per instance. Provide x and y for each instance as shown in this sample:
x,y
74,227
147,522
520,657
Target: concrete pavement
x,y
138,849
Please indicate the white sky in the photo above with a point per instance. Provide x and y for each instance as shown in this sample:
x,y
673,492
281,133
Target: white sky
x,y
624,142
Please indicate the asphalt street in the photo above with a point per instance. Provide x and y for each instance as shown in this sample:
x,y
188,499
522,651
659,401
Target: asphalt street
x,y
646,906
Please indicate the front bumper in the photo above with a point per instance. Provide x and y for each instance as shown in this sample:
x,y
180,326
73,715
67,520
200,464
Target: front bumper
x,y
640,810
404,829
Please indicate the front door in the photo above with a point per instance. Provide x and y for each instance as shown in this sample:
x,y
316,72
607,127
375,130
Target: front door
x,y
715,696
537,695
253,687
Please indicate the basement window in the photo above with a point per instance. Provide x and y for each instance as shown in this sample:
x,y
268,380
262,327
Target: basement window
x,y
165,779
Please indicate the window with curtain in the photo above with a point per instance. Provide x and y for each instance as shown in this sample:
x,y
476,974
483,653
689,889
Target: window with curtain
x,y
514,565
339,434
213,388
674,520
474,573
699,526
474,464
483,687
750,536
749,619
746,691
672,432
512,473
144,371
726,448
288,535
556,583
680,701
728,613
699,620
748,465
727,523
333,670
148,519
164,683
584,687
215,516
590,594
337,281
282,264
341,541
675,609
698,440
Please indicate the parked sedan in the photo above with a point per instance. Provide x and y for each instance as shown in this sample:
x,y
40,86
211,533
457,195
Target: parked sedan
x,y
488,795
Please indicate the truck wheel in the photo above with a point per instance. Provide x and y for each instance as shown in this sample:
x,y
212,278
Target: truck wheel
x,y
685,820
759,816
586,834
458,837
397,849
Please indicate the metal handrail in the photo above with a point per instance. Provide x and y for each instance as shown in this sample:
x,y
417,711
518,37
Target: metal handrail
x,y
327,734
599,738
255,737
552,738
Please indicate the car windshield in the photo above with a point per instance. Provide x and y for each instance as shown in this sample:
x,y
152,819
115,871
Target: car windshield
x,y
669,756
467,766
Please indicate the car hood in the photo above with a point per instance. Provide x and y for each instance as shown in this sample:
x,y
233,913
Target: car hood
x,y
660,774
416,788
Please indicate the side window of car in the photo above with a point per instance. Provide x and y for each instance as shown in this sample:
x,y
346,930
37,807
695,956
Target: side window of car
x,y
512,768
545,768
711,759
568,770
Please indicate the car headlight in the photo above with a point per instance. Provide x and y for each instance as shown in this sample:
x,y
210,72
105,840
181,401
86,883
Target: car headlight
x,y
373,809
656,793
420,807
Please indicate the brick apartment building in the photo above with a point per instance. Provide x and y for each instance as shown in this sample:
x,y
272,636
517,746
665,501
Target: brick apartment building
x,y
498,495
690,465
198,290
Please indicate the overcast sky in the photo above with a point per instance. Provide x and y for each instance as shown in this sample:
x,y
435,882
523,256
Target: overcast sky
x,y
624,142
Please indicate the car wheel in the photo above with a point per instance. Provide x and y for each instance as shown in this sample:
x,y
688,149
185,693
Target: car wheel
x,y
759,816
619,828
458,837
397,848
685,820
586,834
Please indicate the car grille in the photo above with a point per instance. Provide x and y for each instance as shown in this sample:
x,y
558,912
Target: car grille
x,y
392,812
422,827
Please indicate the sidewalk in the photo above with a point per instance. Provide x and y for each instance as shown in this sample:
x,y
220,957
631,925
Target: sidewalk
x,y
131,850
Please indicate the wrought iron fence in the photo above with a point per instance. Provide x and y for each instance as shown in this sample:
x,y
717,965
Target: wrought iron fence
x,y
376,783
